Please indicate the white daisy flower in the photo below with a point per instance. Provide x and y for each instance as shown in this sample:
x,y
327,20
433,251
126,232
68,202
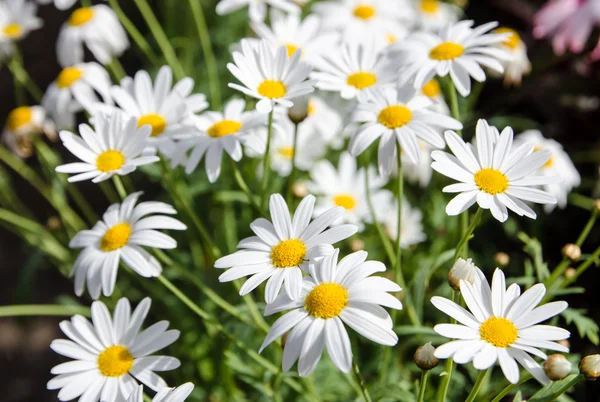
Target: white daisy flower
x,y
218,132
75,89
22,124
178,394
124,229
324,121
60,4
433,91
270,75
418,173
493,174
354,70
281,250
518,65
335,294
411,222
97,27
110,354
458,50
501,325
291,31
113,148
17,19
559,165
398,115
432,15
344,187
257,9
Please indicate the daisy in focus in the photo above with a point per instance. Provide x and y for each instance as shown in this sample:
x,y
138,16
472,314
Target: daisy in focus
x,y
96,27
411,225
518,65
178,394
398,116
501,325
559,165
493,173
74,90
335,293
17,19
433,15
458,50
114,147
22,124
270,75
281,250
122,233
257,9
110,353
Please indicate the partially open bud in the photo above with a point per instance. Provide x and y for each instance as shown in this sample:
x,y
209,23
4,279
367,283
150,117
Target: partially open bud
x,y
502,259
424,358
590,367
299,111
557,367
357,244
572,251
462,270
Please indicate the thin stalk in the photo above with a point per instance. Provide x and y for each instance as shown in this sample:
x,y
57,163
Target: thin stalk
x,y
445,382
510,387
119,186
42,310
423,385
116,69
109,192
477,385
161,38
467,234
86,3
255,313
582,268
293,172
21,76
361,382
209,56
244,187
454,102
266,161
387,244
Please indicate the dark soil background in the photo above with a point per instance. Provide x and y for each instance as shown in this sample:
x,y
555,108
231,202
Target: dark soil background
x,y
561,95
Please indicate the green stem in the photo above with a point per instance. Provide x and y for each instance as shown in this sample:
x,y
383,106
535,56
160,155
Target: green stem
x,y
361,382
477,385
161,38
244,187
86,3
116,69
42,310
248,299
582,268
21,76
423,385
266,161
445,382
587,228
400,198
293,172
119,186
209,56
510,387
387,244
467,234
454,102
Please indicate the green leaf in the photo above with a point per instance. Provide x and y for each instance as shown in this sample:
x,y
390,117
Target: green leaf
x,y
555,389
586,327
518,397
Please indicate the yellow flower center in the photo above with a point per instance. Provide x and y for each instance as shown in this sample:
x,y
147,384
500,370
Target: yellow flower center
x,y
429,6
432,89
109,161
271,89
550,161
394,116
498,331
68,76
326,300
115,237
286,152
223,128
13,30
513,39
311,107
364,11
288,253
344,200
291,48
446,51
19,117
81,16
157,122
115,361
361,80
491,181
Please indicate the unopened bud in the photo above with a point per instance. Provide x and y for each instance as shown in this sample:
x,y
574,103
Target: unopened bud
x,y
597,205
565,343
299,189
572,251
570,272
53,223
424,357
590,367
299,110
357,244
557,367
462,270
502,259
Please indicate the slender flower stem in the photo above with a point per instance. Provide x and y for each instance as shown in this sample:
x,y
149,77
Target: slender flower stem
x,y
293,172
455,109
119,186
209,56
244,187
161,38
423,385
86,3
116,69
42,310
21,76
467,235
510,387
266,162
399,197
387,244
361,382
582,268
477,385
445,382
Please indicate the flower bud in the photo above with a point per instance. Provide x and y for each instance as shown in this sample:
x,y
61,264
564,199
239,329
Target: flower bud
x,y
572,251
53,223
299,111
565,343
299,189
502,259
570,272
357,244
590,367
557,367
462,270
597,205
424,358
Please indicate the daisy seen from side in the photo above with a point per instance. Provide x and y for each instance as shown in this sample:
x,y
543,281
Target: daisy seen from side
x,y
22,124
518,65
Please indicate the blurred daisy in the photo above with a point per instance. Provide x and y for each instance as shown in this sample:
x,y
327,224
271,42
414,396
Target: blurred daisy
x,y
333,295
433,91
501,325
281,250
432,15
458,50
418,173
344,187
270,75
17,19
121,233
60,4
98,28
518,65
110,353
411,222
257,9
218,132
22,124
291,31
113,148
493,174
178,394
75,89
398,115
559,165
354,70
323,121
